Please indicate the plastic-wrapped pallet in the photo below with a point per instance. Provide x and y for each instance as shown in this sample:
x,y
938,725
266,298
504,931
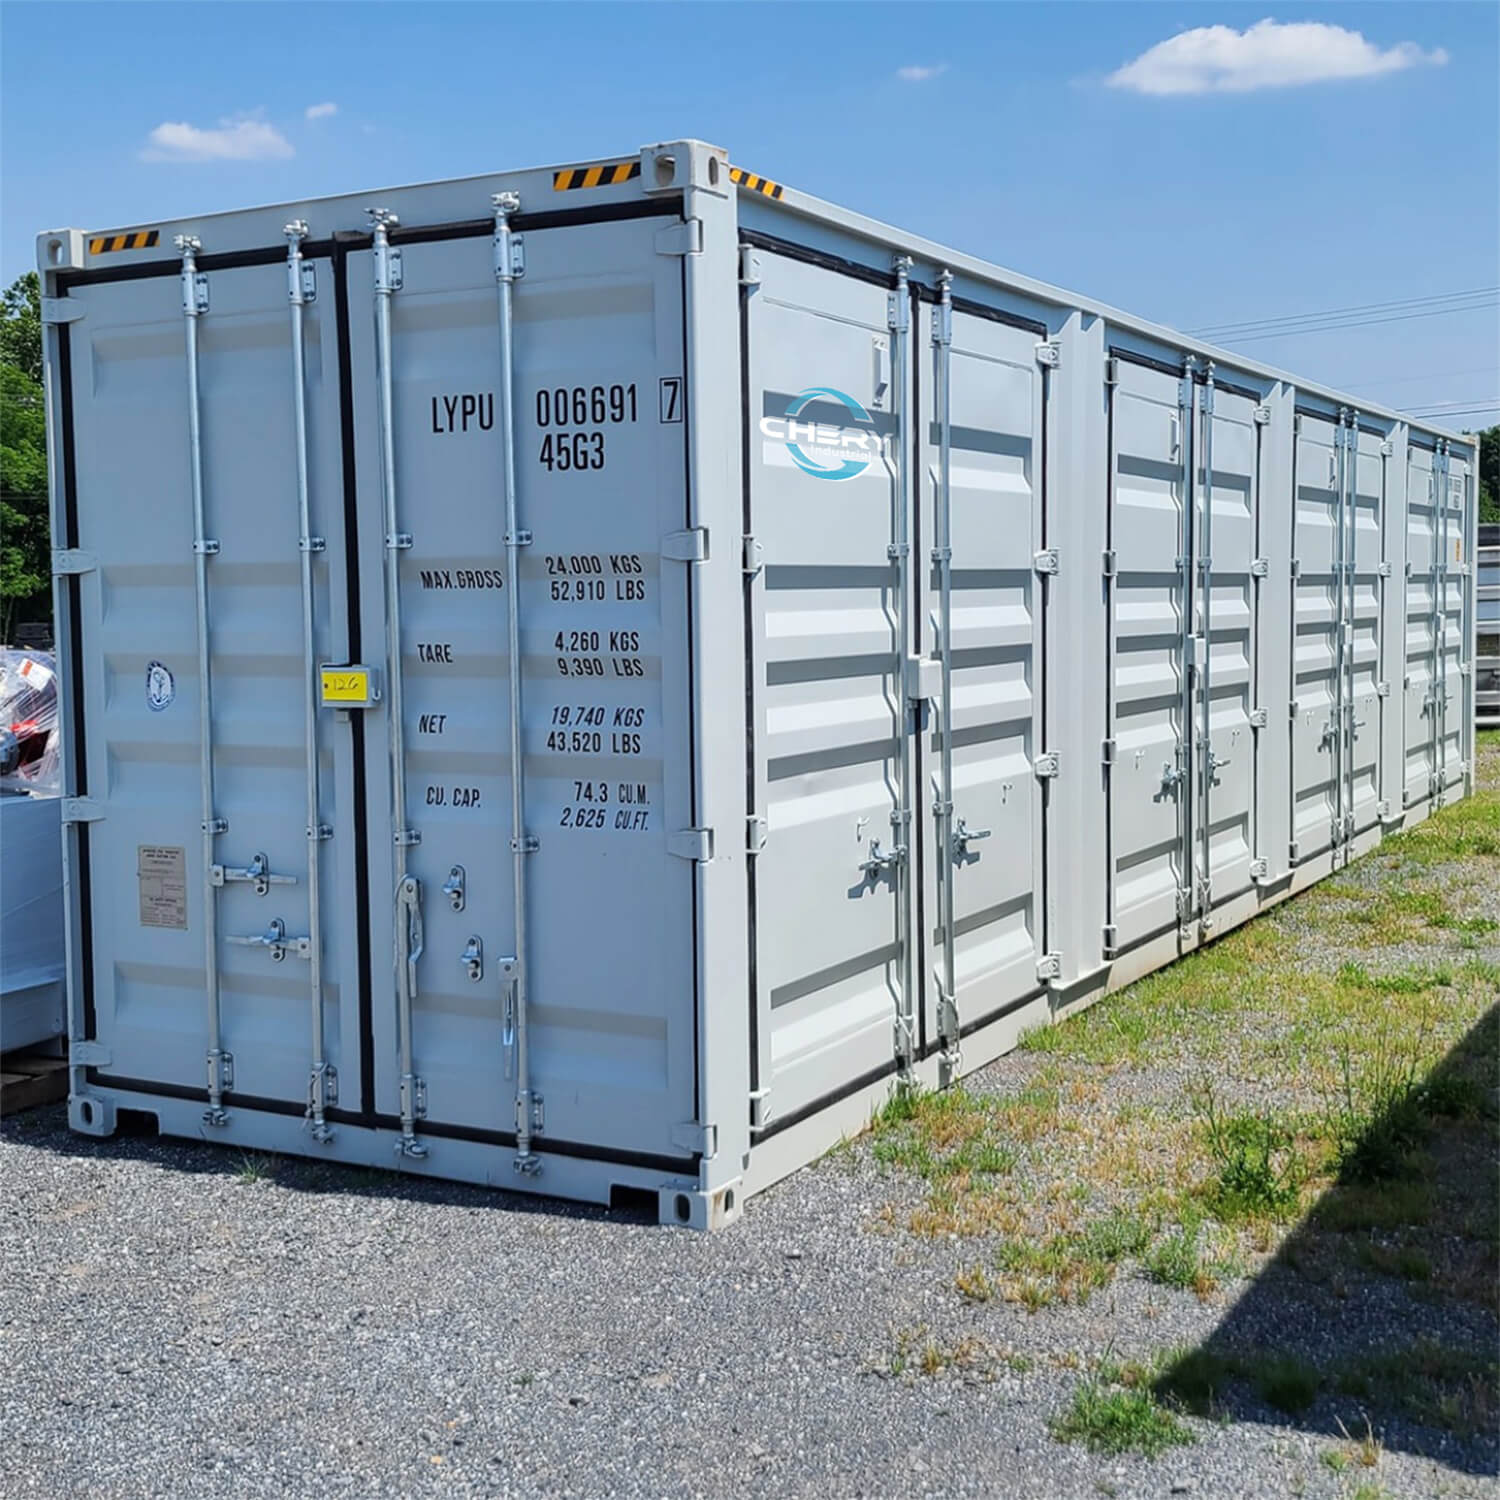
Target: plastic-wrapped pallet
x,y
31,902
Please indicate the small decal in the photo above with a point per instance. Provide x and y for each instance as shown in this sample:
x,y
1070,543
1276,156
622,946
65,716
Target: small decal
x,y
161,687
37,675
161,871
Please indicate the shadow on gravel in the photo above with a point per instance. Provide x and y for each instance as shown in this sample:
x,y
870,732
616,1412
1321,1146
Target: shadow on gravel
x,y
137,1140
1377,1318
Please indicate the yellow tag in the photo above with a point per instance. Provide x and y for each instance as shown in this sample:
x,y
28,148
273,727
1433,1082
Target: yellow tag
x,y
346,685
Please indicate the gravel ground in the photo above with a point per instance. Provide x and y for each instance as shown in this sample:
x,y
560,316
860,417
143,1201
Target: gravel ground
x,y
170,1328
172,1324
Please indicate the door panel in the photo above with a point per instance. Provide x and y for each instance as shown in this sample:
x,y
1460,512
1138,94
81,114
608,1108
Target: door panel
x,y
140,668
1147,813
600,467
1229,622
1363,646
1421,593
1454,633
1315,637
831,745
996,418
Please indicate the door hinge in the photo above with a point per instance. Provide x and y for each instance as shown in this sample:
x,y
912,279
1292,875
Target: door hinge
x,y
1384,570
1262,416
1112,371
701,1140
753,557
749,266
1107,752
1110,563
692,843
1049,967
1382,690
1383,810
68,561
685,238
686,546
1049,353
1047,765
1258,718
1260,869
1046,561
924,678
63,309
1291,850
760,1108
1259,567
90,1054
1296,569
755,834
1386,449
1110,938
81,810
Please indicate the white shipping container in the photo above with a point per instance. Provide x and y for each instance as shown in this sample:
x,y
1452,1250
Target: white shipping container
x,y
580,678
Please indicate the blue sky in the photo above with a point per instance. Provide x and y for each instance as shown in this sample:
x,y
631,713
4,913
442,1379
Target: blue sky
x,y
1215,180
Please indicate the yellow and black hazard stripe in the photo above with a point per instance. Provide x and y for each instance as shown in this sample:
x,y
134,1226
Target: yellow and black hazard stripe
x,y
139,239
605,174
748,180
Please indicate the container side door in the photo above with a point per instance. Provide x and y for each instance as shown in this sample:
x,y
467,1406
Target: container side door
x,y
1456,578
828,769
1363,646
995,852
1422,677
1147,791
1315,637
1226,550
151,891
600,417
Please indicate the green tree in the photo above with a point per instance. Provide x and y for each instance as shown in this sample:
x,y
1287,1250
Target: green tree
x,y
25,539
1489,474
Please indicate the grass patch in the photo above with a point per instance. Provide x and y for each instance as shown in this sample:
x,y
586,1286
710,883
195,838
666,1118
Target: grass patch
x,y
1113,1419
255,1166
918,1353
1258,1174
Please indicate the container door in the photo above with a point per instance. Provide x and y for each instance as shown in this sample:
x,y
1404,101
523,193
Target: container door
x,y
1422,627
830,756
187,924
1149,793
1454,635
1228,480
1363,646
983,804
1316,635
599,419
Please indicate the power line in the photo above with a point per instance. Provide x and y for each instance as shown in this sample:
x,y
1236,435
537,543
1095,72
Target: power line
x,y
1400,303
1333,327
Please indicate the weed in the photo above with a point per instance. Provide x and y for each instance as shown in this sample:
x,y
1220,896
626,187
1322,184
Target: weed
x,y
1377,1120
1113,1420
1258,1173
1405,1261
255,1166
1288,1384
1116,1236
974,1284
1335,1459
1174,1261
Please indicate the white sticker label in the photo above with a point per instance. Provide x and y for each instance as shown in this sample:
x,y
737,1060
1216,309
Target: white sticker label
x,y
161,688
37,676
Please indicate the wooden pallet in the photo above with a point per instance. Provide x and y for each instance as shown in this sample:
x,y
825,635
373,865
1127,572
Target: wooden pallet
x,y
28,1079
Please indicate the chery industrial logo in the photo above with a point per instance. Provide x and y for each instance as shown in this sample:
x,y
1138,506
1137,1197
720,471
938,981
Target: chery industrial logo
x,y
826,450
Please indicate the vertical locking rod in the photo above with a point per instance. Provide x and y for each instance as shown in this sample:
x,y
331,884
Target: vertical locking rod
x,y
1205,684
192,307
506,204
942,552
408,894
307,545
902,831
1341,642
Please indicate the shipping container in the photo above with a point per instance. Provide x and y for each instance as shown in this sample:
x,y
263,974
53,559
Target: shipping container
x,y
580,679
1487,628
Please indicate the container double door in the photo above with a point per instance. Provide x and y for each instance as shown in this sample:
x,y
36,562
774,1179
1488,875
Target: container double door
x,y
1183,578
415,837
1339,589
877,855
1436,710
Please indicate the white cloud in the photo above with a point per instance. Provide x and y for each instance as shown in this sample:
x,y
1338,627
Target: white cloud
x,y
322,111
1268,55
241,138
919,73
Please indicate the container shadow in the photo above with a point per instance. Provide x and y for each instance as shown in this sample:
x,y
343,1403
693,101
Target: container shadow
x,y
1377,1319
138,1140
